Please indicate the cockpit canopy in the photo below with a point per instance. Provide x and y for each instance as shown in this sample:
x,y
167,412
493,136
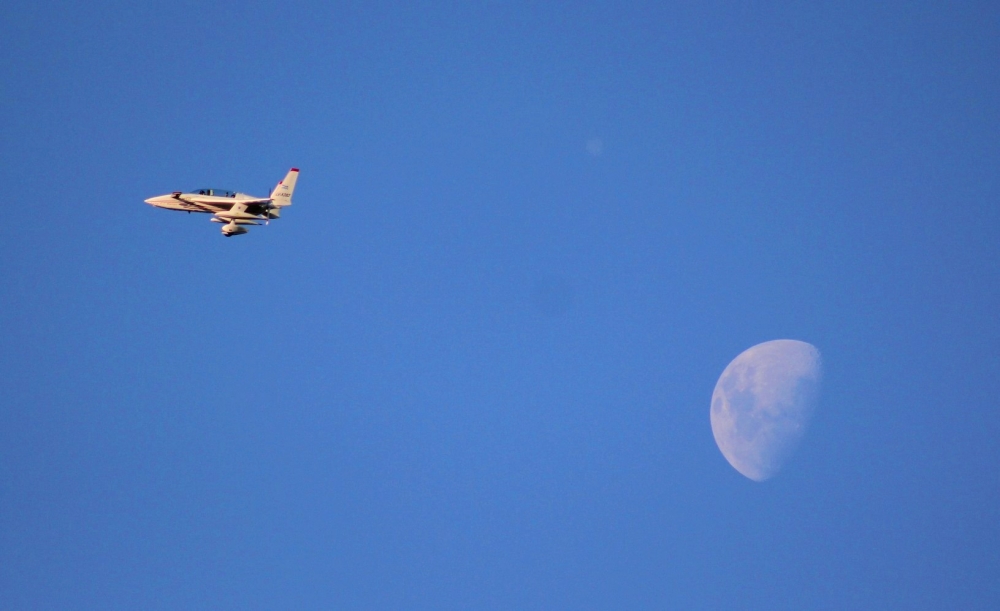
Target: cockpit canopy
x,y
214,192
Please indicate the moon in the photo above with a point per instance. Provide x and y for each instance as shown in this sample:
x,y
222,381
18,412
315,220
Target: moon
x,y
762,405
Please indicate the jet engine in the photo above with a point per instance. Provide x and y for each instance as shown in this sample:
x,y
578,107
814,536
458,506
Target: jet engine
x,y
231,229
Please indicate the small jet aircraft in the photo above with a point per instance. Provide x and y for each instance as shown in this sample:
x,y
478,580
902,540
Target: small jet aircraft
x,y
233,210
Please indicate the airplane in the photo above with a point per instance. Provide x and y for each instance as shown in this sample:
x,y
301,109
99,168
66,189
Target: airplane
x,y
234,210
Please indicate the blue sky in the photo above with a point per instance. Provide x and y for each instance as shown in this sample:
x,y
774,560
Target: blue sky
x,y
471,367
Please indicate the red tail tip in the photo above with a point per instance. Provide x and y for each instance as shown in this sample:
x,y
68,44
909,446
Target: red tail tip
x,y
295,169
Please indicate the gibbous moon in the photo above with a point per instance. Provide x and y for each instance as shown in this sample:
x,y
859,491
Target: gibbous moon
x,y
762,405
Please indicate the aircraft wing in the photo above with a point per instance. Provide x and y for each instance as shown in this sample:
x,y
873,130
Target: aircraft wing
x,y
239,212
214,206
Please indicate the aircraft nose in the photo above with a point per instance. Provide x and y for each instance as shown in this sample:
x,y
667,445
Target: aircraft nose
x,y
152,201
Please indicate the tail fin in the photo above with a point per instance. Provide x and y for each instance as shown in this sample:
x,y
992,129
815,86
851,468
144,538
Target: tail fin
x,y
282,194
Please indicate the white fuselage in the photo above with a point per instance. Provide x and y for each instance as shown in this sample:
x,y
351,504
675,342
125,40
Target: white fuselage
x,y
193,202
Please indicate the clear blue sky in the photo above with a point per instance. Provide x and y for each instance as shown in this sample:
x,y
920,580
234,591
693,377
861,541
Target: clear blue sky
x,y
471,367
